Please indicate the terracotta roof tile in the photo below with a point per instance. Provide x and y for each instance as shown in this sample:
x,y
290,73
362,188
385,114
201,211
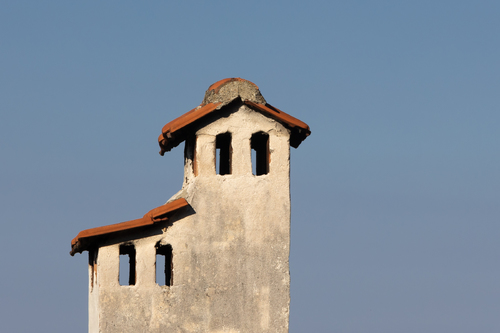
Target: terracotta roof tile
x,y
217,96
300,130
86,239
172,133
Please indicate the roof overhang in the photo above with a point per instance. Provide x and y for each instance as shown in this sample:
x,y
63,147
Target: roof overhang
x,y
178,129
90,238
218,96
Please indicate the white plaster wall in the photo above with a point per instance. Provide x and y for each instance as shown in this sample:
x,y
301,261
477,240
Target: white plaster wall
x,y
230,257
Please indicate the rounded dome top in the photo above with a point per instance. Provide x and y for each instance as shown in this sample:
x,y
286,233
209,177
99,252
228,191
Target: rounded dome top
x,y
225,91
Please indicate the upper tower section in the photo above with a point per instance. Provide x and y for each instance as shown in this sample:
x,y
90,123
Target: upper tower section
x,y
214,258
218,96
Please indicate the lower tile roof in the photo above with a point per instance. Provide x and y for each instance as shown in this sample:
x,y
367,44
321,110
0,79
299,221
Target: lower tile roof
x,y
89,238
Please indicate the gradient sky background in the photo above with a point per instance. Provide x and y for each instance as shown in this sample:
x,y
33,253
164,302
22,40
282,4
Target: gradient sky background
x,y
395,195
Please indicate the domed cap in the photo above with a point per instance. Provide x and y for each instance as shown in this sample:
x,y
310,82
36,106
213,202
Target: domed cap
x,y
227,90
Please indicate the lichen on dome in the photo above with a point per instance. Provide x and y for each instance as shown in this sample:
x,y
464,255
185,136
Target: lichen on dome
x,y
227,90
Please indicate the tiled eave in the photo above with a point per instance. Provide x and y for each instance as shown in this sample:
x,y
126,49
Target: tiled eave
x,y
89,238
176,131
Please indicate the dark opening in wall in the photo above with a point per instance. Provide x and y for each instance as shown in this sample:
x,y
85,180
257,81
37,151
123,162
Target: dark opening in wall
x,y
93,267
223,154
164,266
126,276
190,153
260,153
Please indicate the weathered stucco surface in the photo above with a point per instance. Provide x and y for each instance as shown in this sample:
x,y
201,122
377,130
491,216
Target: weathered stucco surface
x,y
230,250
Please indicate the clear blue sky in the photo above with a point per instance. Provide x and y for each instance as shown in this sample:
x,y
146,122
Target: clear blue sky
x,y
395,195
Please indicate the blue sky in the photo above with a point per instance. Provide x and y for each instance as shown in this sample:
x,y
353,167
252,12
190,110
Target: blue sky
x,y
395,195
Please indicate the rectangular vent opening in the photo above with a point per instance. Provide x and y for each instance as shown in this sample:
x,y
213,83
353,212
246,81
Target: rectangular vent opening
x,y
260,153
126,275
223,154
164,265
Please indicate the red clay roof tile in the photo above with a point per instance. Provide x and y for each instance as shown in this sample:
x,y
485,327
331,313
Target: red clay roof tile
x,y
300,130
176,131
86,239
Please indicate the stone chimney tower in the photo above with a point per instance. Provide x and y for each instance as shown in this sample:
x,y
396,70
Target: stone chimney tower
x,y
221,244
